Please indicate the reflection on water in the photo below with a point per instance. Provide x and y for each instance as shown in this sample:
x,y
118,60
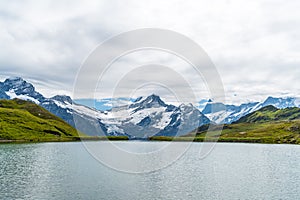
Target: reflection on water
x,y
231,171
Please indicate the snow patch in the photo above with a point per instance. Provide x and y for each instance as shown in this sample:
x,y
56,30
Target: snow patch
x,y
12,95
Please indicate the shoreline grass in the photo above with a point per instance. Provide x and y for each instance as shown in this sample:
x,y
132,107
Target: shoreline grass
x,y
266,140
66,139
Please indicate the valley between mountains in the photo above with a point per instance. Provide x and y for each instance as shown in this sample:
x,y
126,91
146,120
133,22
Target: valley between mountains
x,y
29,116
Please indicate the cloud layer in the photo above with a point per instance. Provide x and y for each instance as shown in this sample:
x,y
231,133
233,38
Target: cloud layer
x,y
255,45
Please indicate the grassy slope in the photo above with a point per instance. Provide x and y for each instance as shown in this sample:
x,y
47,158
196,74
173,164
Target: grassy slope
x,y
270,113
267,132
268,125
22,120
25,121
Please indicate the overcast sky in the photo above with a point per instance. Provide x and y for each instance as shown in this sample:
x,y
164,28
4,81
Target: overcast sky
x,y
255,45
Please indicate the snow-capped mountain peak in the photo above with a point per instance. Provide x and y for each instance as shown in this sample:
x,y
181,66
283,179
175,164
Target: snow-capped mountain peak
x,y
14,80
19,84
233,113
280,102
17,87
63,98
150,116
152,101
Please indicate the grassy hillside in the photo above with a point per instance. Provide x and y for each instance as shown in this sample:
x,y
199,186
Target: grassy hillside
x,y
269,132
270,113
267,125
25,121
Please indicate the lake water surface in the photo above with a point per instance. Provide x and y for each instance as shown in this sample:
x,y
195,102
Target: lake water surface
x,y
231,171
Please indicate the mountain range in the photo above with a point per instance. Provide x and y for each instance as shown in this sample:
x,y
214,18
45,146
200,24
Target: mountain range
x,y
266,125
136,118
143,118
226,114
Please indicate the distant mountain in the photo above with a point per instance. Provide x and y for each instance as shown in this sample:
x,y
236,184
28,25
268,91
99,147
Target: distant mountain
x,y
62,106
226,114
271,113
136,118
202,103
266,125
151,116
18,88
140,119
287,102
23,120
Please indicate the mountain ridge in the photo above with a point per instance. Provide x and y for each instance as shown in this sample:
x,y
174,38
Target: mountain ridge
x,y
137,118
271,113
227,114
140,119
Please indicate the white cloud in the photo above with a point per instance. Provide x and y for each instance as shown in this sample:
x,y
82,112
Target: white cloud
x,y
255,45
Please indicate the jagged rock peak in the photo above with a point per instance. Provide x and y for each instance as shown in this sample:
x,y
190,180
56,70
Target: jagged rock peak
x,y
148,102
63,98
